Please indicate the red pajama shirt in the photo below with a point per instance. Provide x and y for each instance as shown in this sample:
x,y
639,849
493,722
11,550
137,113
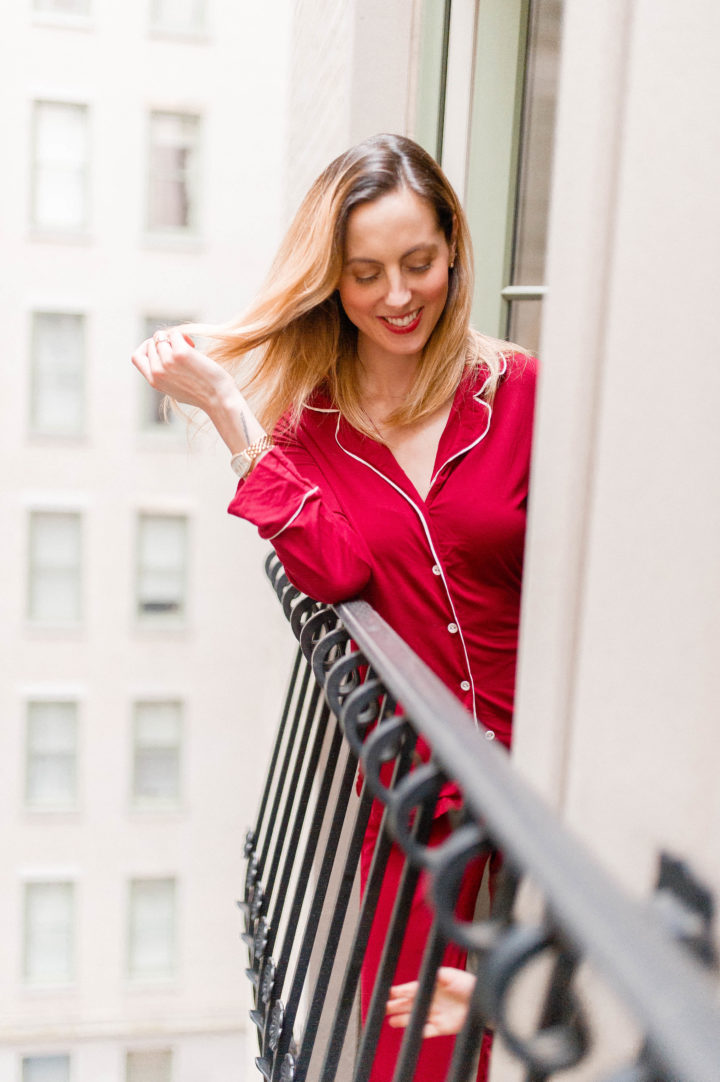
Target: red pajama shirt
x,y
445,572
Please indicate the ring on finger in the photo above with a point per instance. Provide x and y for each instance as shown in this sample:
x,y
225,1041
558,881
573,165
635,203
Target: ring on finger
x,y
161,338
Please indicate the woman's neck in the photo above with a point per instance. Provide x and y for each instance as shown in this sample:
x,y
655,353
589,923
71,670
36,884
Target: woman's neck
x,y
387,380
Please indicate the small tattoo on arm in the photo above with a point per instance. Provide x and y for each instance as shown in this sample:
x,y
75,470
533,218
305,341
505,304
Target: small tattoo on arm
x,y
246,434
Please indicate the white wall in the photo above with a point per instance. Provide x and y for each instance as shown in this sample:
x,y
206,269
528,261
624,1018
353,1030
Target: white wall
x,y
619,681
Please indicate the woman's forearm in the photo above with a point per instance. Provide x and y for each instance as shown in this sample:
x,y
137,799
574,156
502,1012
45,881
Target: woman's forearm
x,y
235,422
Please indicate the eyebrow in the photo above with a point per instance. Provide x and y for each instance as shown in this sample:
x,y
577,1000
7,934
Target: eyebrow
x,y
431,248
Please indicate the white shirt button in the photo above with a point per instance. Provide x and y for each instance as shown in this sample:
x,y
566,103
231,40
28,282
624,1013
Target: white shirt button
x,y
453,629
465,685
436,569
489,734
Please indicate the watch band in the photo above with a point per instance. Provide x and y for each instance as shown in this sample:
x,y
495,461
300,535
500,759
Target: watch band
x,y
243,462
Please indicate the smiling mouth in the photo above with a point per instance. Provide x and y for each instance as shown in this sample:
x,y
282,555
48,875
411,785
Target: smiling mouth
x,y
404,323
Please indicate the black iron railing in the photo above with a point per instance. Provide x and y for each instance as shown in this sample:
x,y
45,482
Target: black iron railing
x,y
307,932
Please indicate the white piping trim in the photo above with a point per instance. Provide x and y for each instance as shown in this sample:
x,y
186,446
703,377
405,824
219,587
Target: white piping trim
x,y
432,550
478,396
319,409
293,517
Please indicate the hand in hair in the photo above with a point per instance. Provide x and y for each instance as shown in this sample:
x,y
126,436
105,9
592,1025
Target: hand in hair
x,y
171,364
448,1007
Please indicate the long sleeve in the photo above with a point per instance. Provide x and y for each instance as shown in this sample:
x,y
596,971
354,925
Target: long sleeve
x,y
293,507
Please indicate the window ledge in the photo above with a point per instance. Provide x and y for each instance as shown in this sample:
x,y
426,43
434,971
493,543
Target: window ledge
x,y
39,630
57,439
58,20
169,811
179,35
170,241
42,235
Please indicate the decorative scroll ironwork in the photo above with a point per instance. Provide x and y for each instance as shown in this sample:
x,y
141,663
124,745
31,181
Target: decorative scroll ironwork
x,y
342,710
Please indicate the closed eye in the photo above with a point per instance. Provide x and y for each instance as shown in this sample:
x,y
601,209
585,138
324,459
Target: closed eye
x,y
366,278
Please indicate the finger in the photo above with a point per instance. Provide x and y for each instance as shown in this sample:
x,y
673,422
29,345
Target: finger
x,y
140,361
157,362
408,989
398,1006
399,1021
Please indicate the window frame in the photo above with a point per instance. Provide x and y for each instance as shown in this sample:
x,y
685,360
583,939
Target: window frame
x,y
33,513
191,232
80,231
56,880
162,804
163,621
160,30
48,698
169,976
169,1051
45,1056
34,430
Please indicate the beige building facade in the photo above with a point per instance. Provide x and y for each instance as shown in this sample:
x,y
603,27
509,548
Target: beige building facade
x,y
139,641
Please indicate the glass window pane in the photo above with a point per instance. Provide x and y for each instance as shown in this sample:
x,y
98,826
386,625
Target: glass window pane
x,y
173,171
537,143
525,321
60,165
55,565
162,566
48,938
156,760
46,1069
51,765
57,382
149,1065
63,7
152,928
178,16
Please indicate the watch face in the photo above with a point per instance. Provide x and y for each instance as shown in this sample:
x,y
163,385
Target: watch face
x,y
240,464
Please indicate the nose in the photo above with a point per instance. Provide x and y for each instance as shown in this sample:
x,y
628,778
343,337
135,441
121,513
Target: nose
x,y
398,291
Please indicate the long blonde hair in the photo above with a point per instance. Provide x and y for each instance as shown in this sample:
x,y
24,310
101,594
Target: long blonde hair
x,y
295,337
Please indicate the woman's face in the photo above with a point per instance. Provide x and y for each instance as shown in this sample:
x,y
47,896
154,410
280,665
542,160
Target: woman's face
x,y
394,281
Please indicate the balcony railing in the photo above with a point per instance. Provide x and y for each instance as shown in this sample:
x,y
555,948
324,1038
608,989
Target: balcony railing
x,y
307,933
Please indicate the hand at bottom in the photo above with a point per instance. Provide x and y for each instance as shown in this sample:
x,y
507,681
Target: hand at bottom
x,y
448,1007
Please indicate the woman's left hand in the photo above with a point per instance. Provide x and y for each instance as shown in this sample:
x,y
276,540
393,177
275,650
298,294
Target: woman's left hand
x,y
448,1008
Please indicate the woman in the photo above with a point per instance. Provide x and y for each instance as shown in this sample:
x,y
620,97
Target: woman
x,y
389,452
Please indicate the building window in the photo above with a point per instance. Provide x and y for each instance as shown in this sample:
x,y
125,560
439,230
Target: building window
x,y
48,941
152,946
526,289
173,179
51,760
156,753
177,16
62,7
149,1065
46,1069
60,171
55,554
57,390
162,563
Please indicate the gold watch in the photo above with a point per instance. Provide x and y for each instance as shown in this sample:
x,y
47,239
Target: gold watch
x,y
243,462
